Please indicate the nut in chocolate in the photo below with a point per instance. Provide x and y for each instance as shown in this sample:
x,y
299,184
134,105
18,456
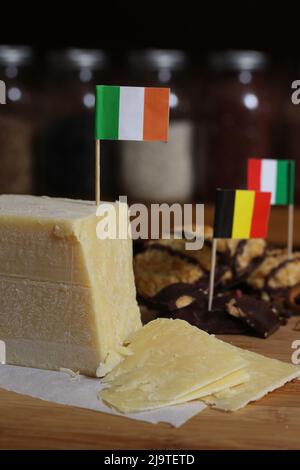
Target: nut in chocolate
x,y
157,221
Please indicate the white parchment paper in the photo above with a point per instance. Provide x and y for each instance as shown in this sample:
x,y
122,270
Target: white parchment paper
x,y
81,391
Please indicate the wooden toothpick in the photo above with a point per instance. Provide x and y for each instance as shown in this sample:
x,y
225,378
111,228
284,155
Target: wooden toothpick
x,y
290,240
97,172
212,274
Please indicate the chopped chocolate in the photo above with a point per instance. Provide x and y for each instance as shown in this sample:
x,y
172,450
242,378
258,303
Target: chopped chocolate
x,y
280,304
294,298
147,314
138,246
258,315
218,321
237,259
173,282
233,313
170,298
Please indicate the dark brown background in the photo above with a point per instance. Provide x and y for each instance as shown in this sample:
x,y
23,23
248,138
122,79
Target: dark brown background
x,y
195,25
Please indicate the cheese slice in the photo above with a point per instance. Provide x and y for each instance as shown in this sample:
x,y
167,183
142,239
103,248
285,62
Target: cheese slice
x,y
131,398
265,376
236,378
67,298
170,362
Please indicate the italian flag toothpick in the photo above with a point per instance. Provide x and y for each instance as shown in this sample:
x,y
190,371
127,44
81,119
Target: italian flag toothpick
x,y
278,177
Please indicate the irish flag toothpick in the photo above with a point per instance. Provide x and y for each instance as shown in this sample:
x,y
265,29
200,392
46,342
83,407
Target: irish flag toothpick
x,y
278,177
129,113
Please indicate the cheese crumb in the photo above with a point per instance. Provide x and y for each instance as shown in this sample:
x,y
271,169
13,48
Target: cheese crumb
x,y
70,372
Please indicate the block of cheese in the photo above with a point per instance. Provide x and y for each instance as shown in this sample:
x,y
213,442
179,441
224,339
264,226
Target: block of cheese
x,y
67,298
265,376
169,362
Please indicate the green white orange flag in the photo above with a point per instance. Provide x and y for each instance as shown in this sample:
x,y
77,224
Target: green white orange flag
x,y
132,113
275,176
241,214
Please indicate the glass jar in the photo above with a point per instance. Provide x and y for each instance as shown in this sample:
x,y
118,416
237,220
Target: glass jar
x,y
17,120
237,118
65,151
291,112
155,171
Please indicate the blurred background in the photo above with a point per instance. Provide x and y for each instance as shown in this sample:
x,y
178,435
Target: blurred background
x,y
230,70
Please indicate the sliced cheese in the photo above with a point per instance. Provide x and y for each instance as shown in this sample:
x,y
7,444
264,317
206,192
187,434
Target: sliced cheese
x,y
130,398
171,362
236,378
265,376
68,299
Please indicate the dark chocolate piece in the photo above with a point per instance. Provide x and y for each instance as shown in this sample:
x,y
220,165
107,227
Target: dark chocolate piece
x,y
218,321
170,298
258,315
138,246
233,313
293,298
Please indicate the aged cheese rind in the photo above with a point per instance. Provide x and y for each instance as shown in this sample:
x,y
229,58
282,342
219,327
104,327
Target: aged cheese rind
x,y
171,361
265,375
67,298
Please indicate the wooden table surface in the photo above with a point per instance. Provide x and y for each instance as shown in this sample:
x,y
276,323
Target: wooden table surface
x,y
271,423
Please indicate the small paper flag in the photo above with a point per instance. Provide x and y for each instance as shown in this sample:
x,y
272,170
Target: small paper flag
x,y
241,214
132,113
275,176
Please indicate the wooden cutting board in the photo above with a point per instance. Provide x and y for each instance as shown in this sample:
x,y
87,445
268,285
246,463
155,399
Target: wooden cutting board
x,y
271,423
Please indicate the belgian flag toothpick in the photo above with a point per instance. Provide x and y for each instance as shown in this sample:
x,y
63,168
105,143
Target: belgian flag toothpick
x,y
239,214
